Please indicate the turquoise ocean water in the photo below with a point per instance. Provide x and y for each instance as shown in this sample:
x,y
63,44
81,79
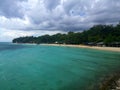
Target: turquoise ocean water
x,y
38,67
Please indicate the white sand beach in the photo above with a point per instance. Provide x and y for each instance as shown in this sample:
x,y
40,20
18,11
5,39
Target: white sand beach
x,y
116,49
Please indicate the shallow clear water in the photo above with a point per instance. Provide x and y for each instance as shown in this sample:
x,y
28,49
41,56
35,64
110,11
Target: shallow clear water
x,y
37,67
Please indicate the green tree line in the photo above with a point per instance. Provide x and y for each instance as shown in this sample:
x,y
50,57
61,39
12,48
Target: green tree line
x,y
98,33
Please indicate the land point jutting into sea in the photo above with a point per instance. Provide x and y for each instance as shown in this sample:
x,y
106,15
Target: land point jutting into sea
x,y
98,35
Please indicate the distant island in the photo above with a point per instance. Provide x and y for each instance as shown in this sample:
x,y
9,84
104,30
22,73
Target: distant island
x,y
98,35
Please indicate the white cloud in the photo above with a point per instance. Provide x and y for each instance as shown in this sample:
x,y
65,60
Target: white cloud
x,y
9,35
14,23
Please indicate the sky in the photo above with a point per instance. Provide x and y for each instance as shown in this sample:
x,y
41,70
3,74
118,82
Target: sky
x,y
39,17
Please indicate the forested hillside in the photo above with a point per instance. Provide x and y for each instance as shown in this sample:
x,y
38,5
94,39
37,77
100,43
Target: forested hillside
x,y
98,33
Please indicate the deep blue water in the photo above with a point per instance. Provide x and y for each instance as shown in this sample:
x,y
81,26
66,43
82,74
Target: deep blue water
x,y
38,67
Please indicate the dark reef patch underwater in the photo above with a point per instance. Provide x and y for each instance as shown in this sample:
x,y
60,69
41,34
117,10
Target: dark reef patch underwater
x,y
38,67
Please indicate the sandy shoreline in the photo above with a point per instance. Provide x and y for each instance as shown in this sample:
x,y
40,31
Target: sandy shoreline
x,y
116,49
25,43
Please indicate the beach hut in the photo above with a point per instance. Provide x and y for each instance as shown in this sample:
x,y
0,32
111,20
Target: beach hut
x,y
115,44
56,42
91,44
100,44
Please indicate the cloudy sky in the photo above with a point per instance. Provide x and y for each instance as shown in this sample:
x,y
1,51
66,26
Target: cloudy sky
x,y
39,17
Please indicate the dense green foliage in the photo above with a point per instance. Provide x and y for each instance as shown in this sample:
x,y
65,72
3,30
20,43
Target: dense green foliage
x,y
98,33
